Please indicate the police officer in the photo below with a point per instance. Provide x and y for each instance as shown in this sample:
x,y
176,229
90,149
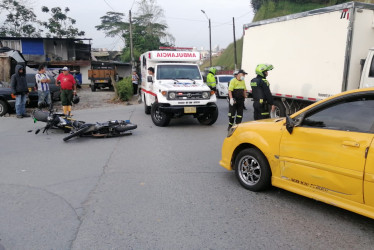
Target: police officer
x,y
237,95
210,79
262,97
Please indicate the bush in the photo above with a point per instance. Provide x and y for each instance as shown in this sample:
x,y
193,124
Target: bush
x,y
124,89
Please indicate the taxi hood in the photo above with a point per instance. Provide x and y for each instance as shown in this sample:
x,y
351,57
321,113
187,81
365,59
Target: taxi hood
x,y
259,124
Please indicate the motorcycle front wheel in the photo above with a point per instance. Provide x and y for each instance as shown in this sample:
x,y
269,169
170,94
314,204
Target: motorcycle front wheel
x,y
77,133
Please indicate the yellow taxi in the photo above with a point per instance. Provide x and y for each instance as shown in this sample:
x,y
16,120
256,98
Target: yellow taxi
x,y
324,151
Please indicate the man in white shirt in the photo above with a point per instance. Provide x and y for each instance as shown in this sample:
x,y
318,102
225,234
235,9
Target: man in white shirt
x,y
42,82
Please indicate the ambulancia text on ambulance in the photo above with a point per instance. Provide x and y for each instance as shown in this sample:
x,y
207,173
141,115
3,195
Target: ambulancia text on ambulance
x,y
176,88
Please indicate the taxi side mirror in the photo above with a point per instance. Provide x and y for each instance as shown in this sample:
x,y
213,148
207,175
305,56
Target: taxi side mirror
x,y
290,124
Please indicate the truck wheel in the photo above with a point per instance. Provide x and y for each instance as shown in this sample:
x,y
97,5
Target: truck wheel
x,y
252,170
147,109
209,119
280,109
93,87
159,118
111,87
3,108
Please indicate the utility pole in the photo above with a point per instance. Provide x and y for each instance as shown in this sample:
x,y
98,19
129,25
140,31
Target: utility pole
x,y
131,48
236,59
210,43
210,39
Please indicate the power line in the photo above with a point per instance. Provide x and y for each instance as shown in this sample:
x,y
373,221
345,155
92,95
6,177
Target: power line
x,y
186,19
132,4
109,5
203,21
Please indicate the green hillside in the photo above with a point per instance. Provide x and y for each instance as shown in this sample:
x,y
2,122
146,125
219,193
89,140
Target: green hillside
x,y
268,9
227,59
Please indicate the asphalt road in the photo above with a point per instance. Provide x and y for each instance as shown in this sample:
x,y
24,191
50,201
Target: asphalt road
x,y
160,188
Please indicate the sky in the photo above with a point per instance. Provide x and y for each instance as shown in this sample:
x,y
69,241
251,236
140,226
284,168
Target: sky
x,y
186,22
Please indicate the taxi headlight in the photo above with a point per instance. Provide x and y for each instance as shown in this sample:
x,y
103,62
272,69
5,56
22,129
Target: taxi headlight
x,y
172,95
205,95
231,130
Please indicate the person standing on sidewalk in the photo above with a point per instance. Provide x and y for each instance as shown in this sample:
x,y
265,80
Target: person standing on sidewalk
x,y
68,89
135,82
20,90
42,82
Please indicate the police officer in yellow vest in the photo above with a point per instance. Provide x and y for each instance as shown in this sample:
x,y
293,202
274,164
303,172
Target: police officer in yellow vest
x,y
237,95
262,97
210,79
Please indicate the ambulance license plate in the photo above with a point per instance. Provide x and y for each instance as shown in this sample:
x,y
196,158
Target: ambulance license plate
x,y
189,110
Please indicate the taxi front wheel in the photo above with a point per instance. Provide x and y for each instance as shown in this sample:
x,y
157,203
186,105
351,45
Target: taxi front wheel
x,y
252,170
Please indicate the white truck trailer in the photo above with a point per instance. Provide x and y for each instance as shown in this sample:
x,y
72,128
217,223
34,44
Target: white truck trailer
x,y
315,54
177,88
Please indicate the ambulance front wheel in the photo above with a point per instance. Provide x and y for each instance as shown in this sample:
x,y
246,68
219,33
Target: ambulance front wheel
x,y
210,118
159,118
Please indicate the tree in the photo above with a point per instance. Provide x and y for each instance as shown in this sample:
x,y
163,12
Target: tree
x,y
149,32
113,25
151,16
60,25
20,21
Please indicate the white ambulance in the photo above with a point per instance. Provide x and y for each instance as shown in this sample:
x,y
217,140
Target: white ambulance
x,y
177,88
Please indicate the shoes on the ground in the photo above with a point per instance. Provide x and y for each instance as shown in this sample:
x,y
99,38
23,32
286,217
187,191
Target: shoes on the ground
x,y
25,115
19,116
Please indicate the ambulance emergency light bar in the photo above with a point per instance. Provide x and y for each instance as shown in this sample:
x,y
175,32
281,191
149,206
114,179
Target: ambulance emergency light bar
x,y
175,48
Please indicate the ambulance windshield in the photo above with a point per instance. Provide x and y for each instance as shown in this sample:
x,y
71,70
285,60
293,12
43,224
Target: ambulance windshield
x,y
166,72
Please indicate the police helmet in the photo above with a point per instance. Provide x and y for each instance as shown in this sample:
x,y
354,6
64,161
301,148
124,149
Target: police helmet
x,y
75,99
213,70
261,68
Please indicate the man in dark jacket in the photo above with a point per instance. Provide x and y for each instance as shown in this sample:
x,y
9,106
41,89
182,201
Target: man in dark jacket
x,y
262,97
20,90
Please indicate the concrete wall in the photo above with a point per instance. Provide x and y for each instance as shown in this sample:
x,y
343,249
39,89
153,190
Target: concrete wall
x,y
84,73
56,50
124,71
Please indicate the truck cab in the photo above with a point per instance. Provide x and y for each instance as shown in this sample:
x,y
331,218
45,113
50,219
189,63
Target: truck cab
x,y
367,76
176,88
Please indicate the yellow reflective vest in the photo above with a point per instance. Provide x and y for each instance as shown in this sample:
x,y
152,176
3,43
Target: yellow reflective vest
x,y
210,80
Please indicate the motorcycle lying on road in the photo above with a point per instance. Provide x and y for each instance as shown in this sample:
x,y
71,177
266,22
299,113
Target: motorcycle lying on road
x,y
106,129
77,128
54,119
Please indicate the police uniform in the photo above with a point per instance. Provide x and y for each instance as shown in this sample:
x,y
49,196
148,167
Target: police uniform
x,y
210,79
262,97
238,90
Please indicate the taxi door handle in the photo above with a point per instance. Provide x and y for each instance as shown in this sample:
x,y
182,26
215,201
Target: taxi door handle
x,y
351,144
